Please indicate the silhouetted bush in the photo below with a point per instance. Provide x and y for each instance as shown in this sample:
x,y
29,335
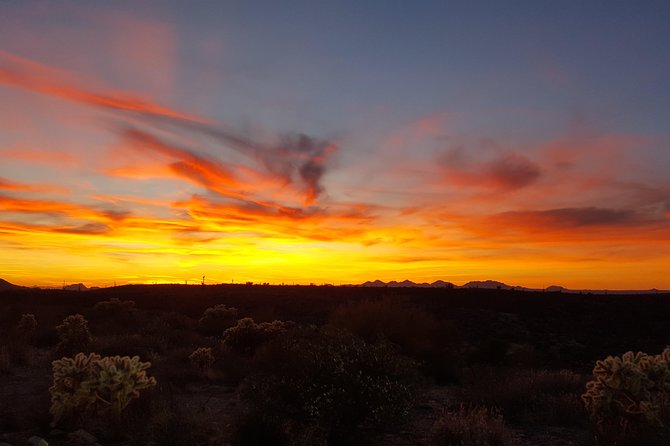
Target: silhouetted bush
x,y
330,386
417,333
5,360
216,319
408,327
255,429
170,425
231,366
477,426
247,336
26,327
528,396
115,308
490,351
144,346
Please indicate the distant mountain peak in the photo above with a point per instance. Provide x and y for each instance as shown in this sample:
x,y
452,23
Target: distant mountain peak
x,y
488,284
376,283
408,284
76,287
4,285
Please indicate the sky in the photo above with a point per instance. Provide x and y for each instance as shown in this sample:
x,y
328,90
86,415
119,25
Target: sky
x,y
335,142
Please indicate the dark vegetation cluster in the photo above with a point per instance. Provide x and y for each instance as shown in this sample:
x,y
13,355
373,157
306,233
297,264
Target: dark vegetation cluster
x,y
261,365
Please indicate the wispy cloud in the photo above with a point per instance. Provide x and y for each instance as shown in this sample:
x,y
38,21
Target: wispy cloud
x,y
24,73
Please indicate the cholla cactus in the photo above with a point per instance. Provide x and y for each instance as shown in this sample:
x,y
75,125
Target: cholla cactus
x,y
202,358
73,333
74,385
91,383
27,325
245,337
630,390
119,381
218,318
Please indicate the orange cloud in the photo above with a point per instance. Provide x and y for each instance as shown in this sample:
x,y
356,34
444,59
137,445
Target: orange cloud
x,y
36,206
273,219
22,187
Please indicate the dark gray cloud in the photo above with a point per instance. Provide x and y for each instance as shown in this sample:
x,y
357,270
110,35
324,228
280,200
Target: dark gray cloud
x,y
574,217
86,229
512,171
295,158
506,171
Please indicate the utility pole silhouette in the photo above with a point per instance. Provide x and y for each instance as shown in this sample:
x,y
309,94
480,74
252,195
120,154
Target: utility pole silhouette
x,y
203,281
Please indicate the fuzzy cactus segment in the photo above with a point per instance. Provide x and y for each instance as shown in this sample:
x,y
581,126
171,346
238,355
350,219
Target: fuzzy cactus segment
x,y
119,381
629,390
91,383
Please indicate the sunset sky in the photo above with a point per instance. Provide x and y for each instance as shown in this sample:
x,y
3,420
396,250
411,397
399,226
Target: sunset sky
x,y
520,141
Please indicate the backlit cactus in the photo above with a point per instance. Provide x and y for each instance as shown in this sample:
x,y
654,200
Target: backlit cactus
x,y
217,318
27,325
95,384
630,391
73,334
202,358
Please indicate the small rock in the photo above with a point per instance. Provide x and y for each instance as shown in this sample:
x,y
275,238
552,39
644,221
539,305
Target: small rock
x,y
37,441
82,437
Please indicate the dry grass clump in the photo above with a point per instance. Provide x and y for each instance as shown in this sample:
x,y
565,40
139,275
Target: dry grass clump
x,y
529,396
475,426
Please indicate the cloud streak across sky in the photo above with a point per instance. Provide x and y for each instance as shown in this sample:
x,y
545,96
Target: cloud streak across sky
x,y
243,153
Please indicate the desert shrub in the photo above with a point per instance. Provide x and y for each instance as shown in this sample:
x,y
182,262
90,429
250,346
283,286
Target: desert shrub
x,y
175,368
476,426
245,337
630,394
202,358
73,334
170,425
435,345
330,385
409,327
45,337
523,355
172,320
27,326
114,307
144,346
232,367
255,429
218,318
489,351
95,384
528,396
5,360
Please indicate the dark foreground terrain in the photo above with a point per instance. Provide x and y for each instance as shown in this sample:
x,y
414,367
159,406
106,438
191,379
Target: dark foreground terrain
x,y
266,365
